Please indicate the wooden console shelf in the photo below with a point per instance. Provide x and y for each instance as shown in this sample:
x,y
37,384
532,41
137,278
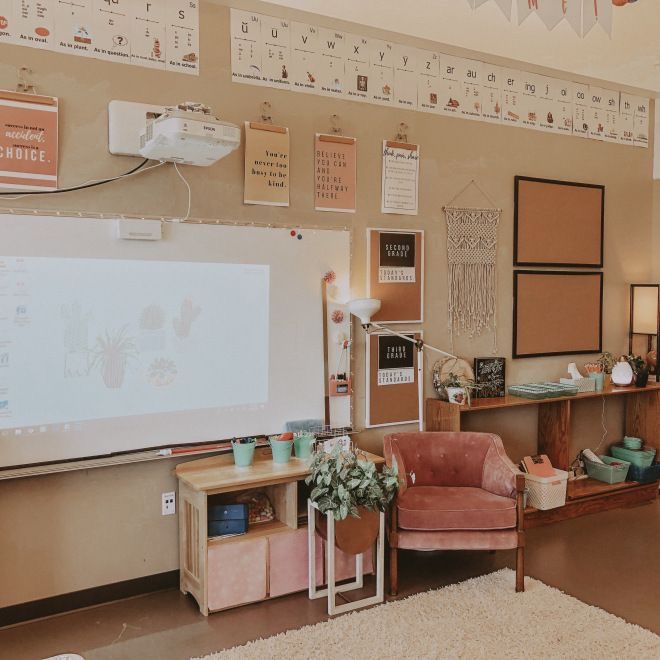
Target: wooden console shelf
x,y
642,419
271,559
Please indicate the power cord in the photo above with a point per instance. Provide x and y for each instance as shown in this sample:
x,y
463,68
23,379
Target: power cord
x,y
183,178
88,184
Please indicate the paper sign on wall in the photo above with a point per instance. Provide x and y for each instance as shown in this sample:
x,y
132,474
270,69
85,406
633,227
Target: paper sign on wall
x,y
266,164
400,182
28,141
396,257
395,360
335,159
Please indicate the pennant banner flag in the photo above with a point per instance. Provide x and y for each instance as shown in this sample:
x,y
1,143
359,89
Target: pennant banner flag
x,y
581,15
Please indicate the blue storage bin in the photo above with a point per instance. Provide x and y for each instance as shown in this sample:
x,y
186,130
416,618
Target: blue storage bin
x,y
644,475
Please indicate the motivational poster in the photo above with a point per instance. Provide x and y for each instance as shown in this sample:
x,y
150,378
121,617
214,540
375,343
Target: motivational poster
x,y
400,178
335,173
267,169
396,257
396,364
28,141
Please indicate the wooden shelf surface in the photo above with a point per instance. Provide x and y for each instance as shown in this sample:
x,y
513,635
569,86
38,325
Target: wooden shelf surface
x,y
255,531
510,401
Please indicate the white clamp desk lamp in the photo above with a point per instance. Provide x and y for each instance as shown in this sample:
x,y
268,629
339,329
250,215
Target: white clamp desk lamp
x,y
364,309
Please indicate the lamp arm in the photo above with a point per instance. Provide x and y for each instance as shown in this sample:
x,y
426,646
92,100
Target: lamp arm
x,y
418,342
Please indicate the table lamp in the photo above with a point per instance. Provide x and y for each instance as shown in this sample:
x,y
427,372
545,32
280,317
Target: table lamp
x,y
645,319
364,309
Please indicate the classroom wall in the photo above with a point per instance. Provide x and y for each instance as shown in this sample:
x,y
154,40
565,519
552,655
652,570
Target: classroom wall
x,y
72,531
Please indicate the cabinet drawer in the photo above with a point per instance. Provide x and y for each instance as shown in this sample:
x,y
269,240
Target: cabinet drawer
x,y
237,572
288,559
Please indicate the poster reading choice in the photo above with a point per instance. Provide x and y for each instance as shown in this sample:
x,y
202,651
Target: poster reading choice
x,y
312,59
266,164
28,141
335,173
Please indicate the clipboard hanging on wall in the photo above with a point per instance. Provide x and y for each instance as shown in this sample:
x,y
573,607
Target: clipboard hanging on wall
x,y
267,164
395,274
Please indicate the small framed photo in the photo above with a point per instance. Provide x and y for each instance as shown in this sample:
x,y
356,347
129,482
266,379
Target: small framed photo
x,y
490,375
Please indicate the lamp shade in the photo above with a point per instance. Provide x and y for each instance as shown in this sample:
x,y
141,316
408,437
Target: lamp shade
x,y
364,308
645,309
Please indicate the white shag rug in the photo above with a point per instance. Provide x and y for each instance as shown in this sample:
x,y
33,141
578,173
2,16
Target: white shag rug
x,y
479,618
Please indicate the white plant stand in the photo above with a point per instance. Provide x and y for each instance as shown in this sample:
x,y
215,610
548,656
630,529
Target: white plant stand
x,y
332,588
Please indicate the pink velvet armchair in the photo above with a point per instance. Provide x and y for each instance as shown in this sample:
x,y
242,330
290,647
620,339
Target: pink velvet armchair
x,y
459,491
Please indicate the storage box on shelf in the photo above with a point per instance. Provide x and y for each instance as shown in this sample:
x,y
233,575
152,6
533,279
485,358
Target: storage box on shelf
x,y
271,559
642,419
610,471
546,493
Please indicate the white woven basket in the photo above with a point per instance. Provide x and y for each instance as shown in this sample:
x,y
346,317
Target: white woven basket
x,y
583,384
547,492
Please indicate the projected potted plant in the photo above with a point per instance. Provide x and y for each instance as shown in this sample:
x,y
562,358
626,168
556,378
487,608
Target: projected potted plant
x,y
354,491
111,354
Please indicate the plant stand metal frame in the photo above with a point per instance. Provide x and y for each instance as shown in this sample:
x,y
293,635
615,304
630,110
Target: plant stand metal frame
x,y
332,589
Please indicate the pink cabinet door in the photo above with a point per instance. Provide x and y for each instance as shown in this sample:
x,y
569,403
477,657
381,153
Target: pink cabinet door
x,y
288,559
237,573
345,564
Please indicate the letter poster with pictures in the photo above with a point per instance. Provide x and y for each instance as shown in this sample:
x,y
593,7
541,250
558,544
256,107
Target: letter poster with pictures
x,y
266,164
335,173
28,141
392,385
395,274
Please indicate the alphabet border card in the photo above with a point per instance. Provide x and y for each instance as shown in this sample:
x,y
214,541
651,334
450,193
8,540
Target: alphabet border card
x,y
335,173
400,181
267,161
391,374
28,141
395,274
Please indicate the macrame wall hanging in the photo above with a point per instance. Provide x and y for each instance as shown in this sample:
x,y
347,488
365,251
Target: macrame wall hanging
x,y
472,268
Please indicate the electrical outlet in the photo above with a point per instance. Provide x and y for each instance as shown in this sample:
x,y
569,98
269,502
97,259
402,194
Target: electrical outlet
x,y
169,504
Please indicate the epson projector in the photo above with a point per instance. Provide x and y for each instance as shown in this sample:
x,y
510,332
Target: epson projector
x,y
186,134
192,137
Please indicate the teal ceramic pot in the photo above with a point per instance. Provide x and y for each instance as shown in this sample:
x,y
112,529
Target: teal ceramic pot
x,y
304,444
243,453
281,450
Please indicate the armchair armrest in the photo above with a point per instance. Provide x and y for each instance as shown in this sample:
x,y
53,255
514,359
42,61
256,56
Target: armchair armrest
x,y
500,475
393,456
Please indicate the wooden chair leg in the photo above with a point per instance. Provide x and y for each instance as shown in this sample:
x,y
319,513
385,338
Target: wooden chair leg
x,y
520,569
394,572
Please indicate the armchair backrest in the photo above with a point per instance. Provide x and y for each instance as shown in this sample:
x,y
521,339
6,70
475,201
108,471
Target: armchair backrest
x,y
448,459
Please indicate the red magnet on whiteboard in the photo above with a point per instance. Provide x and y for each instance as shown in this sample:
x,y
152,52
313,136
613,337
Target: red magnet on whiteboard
x,y
293,232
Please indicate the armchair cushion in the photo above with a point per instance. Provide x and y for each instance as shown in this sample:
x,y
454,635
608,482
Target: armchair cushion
x,y
454,508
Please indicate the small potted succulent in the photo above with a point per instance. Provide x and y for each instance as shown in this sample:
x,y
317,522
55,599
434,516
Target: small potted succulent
x,y
456,389
354,491
640,369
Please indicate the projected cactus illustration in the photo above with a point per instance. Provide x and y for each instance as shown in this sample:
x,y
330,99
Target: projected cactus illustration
x,y
152,317
76,357
161,372
187,315
112,353
152,328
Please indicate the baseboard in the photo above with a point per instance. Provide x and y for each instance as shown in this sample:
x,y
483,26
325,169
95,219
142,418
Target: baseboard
x,y
37,609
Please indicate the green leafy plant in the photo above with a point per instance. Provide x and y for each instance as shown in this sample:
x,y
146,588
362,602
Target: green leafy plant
x,y
607,362
342,483
637,363
453,380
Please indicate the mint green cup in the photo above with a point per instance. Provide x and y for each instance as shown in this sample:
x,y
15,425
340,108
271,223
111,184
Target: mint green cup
x,y
281,450
303,444
243,453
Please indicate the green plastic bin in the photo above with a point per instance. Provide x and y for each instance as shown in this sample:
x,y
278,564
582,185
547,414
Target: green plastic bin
x,y
610,474
640,457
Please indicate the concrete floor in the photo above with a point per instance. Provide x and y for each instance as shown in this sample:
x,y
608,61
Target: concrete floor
x,y
609,560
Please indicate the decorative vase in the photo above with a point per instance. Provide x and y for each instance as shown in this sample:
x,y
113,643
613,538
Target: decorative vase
x,y
642,377
622,374
243,453
281,450
303,445
353,535
457,395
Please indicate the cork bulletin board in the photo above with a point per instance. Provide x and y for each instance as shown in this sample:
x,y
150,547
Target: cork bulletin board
x,y
395,274
558,223
392,388
557,313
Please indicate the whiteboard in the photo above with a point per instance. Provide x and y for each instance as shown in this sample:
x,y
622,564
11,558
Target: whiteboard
x,y
224,326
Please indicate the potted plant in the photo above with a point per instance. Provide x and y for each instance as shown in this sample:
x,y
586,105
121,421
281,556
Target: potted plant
x,y
640,369
354,491
456,389
111,354
607,362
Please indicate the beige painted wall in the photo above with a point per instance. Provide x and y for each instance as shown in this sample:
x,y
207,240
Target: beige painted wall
x,y
67,532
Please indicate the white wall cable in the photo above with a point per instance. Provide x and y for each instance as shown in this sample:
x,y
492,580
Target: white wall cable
x,y
183,178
